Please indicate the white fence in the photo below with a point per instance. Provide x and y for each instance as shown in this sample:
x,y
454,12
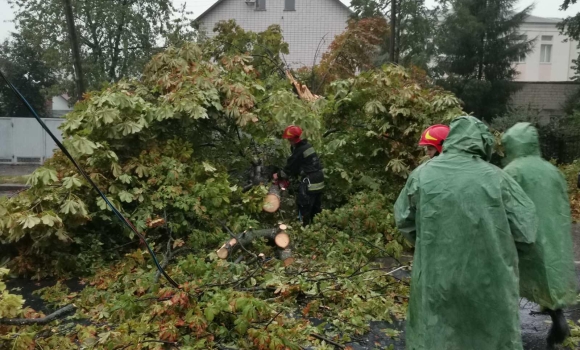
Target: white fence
x,y
24,141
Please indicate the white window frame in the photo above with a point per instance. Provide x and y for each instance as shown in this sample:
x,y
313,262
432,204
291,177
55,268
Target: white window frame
x,y
260,5
289,5
546,53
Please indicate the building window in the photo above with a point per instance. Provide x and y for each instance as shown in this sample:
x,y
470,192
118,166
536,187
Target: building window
x,y
546,53
260,5
522,57
289,5
547,37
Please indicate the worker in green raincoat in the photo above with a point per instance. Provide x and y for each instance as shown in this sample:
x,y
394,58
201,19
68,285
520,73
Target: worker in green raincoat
x,y
547,272
465,217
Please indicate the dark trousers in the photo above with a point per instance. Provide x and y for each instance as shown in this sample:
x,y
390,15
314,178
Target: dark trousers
x,y
308,206
559,330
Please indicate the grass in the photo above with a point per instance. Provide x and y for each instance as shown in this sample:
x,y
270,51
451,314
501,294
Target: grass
x,y
20,180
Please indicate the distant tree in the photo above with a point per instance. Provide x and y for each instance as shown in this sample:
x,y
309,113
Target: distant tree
x,y
24,67
266,48
116,37
414,29
570,27
478,42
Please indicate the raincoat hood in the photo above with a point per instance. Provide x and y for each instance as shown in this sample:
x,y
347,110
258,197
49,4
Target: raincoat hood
x,y
469,135
521,140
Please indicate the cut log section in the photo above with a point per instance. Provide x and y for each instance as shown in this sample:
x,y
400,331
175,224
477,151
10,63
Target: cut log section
x,y
224,251
276,236
272,200
282,240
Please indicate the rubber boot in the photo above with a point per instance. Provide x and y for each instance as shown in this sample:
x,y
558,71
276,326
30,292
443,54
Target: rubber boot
x,y
559,330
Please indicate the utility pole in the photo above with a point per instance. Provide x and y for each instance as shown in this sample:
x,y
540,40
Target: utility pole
x,y
393,29
74,43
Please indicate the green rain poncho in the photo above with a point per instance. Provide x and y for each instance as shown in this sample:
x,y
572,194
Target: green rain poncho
x,y
547,272
465,217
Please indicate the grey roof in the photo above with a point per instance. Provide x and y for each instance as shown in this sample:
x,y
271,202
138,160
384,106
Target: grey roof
x,y
220,1
542,20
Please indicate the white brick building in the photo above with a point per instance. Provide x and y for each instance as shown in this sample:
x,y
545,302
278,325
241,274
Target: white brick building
x,y
551,57
308,26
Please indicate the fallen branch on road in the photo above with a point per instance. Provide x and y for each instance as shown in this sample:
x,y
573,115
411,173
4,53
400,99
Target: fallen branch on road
x,y
43,320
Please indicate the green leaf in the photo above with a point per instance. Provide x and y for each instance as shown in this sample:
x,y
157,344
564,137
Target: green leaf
x,y
62,235
30,221
374,107
50,220
83,146
207,167
43,176
142,170
71,181
116,169
126,179
210,313
130,127
125,196
101,203
69,207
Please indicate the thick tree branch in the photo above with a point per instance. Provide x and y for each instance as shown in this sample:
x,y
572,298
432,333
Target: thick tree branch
x,y
340,346
43,320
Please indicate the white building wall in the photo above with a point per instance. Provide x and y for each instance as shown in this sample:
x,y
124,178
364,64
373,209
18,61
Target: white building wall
x,y
24,141
303,29
560,67
60,104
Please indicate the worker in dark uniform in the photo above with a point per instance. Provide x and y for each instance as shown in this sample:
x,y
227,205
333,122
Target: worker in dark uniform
x,y
304,163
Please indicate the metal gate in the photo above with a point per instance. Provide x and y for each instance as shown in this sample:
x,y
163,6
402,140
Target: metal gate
x,y
23,141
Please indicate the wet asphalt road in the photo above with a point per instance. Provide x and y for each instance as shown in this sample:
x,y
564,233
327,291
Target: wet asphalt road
x,y
534,326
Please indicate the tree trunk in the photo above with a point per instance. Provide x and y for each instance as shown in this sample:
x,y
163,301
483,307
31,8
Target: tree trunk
x,y
96,45
74,43
482,47
116,48
398,33
393,29
276,236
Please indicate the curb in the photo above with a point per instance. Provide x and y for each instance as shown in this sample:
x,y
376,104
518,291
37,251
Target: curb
x,y
12,187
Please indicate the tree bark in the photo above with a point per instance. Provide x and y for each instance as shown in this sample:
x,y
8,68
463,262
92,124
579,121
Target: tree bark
x,y
393,29
96,45
276,236
116,49
43,320
482,48
79,79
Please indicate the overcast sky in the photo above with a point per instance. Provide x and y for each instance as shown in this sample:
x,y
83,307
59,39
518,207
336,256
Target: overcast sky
x,y
544,8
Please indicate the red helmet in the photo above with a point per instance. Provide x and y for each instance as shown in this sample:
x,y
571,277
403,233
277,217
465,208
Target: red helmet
x,y
292,132
434,136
